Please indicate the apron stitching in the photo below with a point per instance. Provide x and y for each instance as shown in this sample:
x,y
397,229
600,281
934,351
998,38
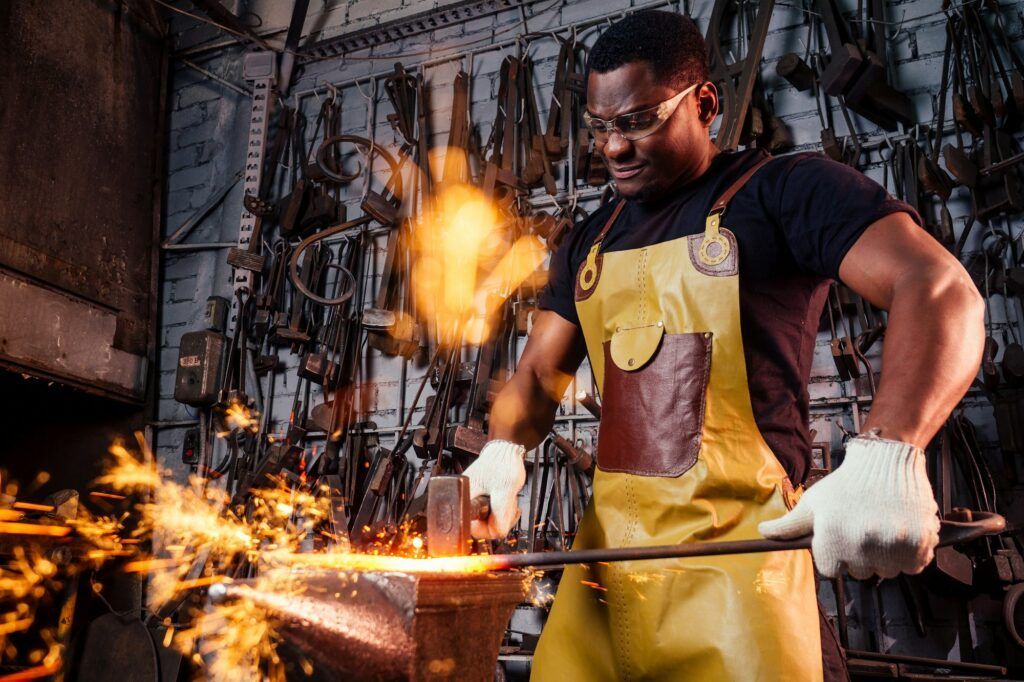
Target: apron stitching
x,y
627,614
641,285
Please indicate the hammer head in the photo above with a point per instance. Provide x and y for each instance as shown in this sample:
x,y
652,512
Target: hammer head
x,y
448,516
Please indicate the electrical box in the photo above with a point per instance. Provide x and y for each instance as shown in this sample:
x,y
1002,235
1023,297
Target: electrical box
x,y
199,360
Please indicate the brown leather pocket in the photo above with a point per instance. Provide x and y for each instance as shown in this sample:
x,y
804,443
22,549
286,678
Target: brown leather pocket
x,y
652,417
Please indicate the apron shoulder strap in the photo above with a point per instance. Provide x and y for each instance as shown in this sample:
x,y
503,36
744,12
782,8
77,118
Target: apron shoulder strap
x,y
727,195
715,248
611,221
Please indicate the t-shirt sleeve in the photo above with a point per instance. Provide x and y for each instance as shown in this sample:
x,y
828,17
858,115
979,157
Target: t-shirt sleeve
x,y
559,293
824,207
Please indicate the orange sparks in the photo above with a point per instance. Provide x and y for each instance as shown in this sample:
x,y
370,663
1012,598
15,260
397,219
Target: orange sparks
x,y
108,496
593,585
9,528
15,626
238,416
144,565
203,582
107,553
37,673
28,506
9,515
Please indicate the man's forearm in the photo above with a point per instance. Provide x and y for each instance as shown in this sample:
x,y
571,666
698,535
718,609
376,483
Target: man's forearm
x,y
932,351
523,412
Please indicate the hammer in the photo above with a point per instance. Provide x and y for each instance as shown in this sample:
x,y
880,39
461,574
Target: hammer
x,y
449,513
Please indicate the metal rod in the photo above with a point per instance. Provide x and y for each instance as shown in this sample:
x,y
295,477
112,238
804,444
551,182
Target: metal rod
x,y
201,212
951,533
1005,163
211,246
212,76
918,660
173,424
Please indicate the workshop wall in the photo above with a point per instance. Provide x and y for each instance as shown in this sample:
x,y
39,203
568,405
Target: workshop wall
x,y
207,140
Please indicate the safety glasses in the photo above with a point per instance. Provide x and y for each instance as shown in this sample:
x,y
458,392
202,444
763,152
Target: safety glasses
x,y
638,124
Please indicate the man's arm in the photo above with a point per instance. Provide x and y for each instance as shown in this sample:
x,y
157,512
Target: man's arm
x,y
521,418
934,340
524,410
876,513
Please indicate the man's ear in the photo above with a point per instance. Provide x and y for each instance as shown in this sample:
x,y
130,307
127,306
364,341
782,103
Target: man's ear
x,y
707,101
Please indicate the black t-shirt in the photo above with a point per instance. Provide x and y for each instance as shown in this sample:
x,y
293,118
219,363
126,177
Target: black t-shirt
x,y
794,221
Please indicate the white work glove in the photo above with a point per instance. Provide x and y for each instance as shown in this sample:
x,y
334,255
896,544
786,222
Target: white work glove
x,y
500,473
875,514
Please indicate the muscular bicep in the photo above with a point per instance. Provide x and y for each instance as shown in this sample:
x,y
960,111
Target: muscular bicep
x,y
553,352
893,251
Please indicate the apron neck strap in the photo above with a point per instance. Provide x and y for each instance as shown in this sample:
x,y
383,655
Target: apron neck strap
x,y
611,221
715,248
727,195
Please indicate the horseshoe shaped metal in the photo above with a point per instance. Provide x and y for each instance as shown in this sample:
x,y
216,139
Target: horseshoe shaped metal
x,y
365,145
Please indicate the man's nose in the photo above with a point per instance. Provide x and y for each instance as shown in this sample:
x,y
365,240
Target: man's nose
x,y
617,146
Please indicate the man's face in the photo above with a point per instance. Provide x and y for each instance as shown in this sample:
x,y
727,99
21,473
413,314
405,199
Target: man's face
x,y
644,169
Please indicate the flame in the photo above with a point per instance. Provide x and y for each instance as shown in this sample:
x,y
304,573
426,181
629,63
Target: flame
x,y
467,261
238,416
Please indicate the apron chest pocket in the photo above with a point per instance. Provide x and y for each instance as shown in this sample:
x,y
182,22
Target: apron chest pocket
x,y
653,396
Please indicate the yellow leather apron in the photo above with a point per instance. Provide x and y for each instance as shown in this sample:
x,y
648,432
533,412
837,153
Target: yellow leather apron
x,y
680,459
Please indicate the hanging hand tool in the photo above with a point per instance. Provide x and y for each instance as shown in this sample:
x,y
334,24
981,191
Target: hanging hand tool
x,y
468,438
384,207
858,74
232,390
390,326
402,89
387,465
735,81
456,158
268,315
309,208
535,167
930,175
579,458
957,160
589,402
796,71
499,169
565,95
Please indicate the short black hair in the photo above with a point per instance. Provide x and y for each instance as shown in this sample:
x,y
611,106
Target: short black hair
x,y
671,43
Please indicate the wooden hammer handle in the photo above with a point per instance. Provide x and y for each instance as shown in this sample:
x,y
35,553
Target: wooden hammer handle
x,y
480,507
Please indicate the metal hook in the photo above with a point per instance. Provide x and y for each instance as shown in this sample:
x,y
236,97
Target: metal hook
x,y
373,89
899,27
